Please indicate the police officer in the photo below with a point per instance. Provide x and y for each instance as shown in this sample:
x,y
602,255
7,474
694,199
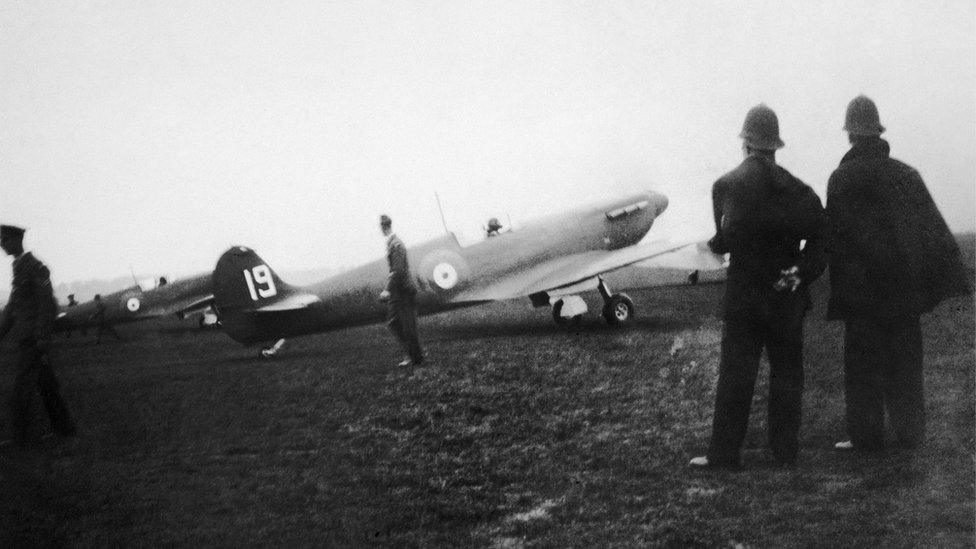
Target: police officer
x,y
401,296
892,258
28,318
771,224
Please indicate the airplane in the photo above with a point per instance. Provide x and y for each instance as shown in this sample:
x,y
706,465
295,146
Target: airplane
x,y
549,261
141,302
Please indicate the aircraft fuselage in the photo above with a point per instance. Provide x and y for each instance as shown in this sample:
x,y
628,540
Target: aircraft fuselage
x,y
444,271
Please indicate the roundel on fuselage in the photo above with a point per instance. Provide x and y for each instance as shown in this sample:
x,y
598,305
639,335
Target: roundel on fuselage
x,y
444,270
445,275
132,304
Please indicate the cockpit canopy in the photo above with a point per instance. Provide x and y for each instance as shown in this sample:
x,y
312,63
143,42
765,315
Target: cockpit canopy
x,y
146,284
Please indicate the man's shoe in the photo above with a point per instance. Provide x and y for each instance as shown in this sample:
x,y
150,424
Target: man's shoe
x,y
849,446
702,462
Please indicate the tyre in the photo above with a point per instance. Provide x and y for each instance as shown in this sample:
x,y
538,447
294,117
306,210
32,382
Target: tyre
x,y
618,310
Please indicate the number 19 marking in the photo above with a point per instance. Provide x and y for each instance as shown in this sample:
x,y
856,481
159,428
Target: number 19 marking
x,y
261,276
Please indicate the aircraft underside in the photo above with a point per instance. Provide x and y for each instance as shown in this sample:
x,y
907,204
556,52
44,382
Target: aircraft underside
x,y
618,309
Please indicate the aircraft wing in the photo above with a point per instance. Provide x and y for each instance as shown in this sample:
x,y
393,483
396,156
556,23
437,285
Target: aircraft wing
x,y
198,305
574,269
689,257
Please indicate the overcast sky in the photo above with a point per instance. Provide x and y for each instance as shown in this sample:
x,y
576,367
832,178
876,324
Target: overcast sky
x,y
153,135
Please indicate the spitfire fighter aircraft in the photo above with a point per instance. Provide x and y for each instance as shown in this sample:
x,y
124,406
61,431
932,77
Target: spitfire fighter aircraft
x,y
549,261
140,302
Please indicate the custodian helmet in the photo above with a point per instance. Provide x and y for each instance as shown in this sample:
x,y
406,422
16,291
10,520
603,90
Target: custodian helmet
x,y
862,117
10,231
761,129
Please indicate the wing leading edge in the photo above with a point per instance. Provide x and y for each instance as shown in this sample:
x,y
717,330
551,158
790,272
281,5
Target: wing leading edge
x,y
574,269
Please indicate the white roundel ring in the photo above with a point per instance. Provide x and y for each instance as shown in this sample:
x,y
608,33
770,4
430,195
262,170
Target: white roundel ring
x,y
132,304
445,276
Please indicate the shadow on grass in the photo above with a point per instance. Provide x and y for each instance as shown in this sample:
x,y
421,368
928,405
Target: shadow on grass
x,y
252,356
592,326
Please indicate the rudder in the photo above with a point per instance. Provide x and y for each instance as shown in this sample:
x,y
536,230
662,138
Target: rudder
x,y
242,280
243,283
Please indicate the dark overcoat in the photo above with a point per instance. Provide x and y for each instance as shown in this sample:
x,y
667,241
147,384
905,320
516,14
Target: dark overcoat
x,y
891,253
30,312
767,220
400,283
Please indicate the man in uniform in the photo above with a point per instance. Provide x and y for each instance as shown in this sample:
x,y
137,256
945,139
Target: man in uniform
x,y
892,258
494,227
100,318
28,318
72,302
401,296
771,224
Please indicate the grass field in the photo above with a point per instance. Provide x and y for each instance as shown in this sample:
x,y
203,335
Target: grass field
x,y
518,433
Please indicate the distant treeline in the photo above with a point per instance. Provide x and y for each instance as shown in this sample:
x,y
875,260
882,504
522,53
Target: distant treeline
x,y
86,289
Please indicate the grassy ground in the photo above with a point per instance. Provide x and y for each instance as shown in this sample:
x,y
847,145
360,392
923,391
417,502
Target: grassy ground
x,y
518,433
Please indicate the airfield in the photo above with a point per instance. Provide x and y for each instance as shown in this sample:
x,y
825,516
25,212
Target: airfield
x,y
517,433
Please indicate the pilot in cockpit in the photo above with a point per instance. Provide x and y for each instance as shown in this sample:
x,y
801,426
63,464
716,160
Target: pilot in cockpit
x,y
493,227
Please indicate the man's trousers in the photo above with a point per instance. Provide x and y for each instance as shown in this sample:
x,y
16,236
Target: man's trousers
x,y
402,321
744,336
34,370
883,370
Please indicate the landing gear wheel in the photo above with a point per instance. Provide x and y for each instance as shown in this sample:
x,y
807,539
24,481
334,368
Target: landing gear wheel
x,y
557,309
618,310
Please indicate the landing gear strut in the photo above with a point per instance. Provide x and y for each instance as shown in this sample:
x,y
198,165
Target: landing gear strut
x,y
618,309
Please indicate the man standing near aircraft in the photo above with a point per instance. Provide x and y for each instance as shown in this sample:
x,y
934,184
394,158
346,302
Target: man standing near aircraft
x,y
102,323
72,302
29,318
892,258
770,223
401,296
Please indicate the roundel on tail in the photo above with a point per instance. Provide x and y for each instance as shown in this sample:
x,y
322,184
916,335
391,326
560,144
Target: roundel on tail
x,y
444,270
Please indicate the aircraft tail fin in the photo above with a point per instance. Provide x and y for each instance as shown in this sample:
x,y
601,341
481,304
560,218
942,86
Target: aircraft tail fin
x,y
243,281
253,304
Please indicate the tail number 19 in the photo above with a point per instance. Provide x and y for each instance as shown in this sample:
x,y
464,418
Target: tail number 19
x,y
256,278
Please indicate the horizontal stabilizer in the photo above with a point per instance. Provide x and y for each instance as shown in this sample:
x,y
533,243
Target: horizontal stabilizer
x,y
292,302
